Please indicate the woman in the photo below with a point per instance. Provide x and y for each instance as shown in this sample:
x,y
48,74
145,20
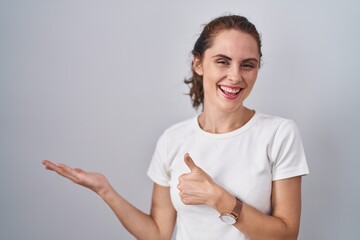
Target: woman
x,y
245,179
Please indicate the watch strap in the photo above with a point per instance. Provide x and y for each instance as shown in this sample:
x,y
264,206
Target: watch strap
x,y
237,209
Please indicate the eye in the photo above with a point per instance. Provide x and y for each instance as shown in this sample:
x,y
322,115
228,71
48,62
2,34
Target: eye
x,y
223,62
248,66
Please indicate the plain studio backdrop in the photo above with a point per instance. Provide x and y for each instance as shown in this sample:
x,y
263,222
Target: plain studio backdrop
x,y
93,84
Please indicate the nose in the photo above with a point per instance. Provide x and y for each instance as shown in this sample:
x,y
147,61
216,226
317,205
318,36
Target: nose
x,y
235,74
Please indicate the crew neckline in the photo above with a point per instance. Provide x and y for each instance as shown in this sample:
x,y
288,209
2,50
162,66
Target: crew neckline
x,y
228,134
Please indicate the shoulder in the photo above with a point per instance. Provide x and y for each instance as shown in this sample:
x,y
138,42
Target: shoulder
x,y
181,128
271,120
177,132
285,149
275,124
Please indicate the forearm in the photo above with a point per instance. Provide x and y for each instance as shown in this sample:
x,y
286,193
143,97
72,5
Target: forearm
x,y
141,225
257,225
138,223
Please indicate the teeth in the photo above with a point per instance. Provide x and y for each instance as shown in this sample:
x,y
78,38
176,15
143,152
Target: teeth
x,y
230,90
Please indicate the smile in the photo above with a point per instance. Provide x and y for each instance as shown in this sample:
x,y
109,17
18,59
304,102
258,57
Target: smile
x,y
230,92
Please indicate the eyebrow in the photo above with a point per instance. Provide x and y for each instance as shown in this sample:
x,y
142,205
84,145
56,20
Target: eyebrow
x,y
223,56
229,58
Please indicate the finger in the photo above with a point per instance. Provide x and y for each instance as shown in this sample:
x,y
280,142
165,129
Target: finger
x,y
190,199
45,162
179,186
189,162
67,172
49,165
78,170
71,171
62,170
68,168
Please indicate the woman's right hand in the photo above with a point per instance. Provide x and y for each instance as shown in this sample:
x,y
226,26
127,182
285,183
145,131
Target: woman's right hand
x,y
94,181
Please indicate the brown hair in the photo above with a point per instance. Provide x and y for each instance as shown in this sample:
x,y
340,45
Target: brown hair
x,y
205,41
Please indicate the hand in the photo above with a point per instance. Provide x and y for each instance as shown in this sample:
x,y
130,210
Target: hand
x,y
197,187
94,181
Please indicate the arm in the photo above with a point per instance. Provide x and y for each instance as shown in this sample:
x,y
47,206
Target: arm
x,y
159,224
284,221
197,187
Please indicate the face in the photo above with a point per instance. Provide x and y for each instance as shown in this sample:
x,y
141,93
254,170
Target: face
x,y
229,69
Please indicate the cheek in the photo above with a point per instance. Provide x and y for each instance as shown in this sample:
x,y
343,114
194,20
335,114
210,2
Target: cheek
x,y
209,88
251,83
250,78
212,76
210,81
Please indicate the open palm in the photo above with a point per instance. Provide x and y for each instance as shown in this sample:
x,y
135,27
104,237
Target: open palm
x,y
94,181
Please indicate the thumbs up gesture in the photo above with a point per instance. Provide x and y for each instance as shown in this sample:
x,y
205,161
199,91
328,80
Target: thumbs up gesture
x,y
196,187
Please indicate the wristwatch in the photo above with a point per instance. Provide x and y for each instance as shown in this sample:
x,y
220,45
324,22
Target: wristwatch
x,y
231,218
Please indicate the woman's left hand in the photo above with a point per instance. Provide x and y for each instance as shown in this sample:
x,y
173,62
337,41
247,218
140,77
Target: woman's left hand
x,y
197,187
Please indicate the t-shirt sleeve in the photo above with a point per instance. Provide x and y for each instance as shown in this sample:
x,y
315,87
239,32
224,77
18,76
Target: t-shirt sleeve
x,y
158,170
287,153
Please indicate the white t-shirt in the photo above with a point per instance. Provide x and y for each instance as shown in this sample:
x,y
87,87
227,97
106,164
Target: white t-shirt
x,y
244,162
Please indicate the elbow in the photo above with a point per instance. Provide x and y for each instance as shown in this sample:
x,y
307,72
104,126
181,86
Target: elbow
x,y
292,235
290,230
283,231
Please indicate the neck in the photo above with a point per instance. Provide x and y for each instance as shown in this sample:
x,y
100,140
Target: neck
x,y
223,122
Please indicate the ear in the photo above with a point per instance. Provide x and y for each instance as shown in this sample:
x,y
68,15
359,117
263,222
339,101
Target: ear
x,y
197,66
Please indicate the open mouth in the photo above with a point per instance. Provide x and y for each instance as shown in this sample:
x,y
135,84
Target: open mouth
x,y
230,92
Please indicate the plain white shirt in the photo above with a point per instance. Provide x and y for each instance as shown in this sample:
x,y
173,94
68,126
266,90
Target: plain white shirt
x,y
244,162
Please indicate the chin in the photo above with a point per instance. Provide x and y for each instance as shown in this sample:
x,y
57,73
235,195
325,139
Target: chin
x,y
231,108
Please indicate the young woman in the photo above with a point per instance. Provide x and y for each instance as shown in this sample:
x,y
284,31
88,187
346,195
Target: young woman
x,y
230,172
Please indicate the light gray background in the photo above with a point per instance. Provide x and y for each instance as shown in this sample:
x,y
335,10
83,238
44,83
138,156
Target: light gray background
x,y
94,83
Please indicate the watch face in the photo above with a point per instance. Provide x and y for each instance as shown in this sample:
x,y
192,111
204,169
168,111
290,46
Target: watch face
x,y
228,218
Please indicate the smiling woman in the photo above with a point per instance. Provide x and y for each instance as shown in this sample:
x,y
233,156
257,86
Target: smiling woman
x,y
206,39
245,182
229,69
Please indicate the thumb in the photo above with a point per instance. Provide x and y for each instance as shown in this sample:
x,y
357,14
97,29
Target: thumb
x,y
189,162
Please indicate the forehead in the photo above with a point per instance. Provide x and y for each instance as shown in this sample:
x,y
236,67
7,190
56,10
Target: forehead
x,y
234,43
